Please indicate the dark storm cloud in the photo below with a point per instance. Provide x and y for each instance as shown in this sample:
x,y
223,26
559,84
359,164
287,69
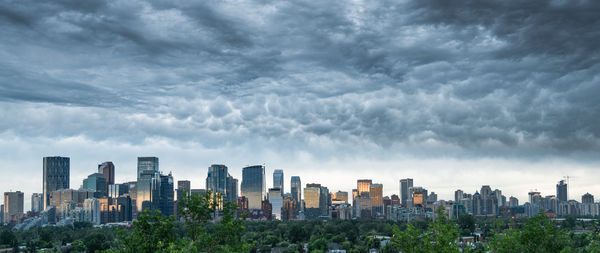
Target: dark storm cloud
x,y
475,77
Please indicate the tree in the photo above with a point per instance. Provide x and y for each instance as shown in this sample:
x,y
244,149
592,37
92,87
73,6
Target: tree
x,y
442,235
152,233
466,223
408,240
318,245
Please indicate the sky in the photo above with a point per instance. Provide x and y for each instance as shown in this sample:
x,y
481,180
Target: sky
x,y
454,94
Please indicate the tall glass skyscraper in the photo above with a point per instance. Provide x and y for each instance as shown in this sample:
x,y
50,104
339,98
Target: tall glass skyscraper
x,y
312,201
155,192
108,170
405,185
253,186
561,191
56,176
278,180
296,189
146,164
219,181
96,182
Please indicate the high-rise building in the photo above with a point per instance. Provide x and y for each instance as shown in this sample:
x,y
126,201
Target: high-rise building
x,y
363,185
376,195
458,195
512,201
37,202
276,200
561,191
13,207
155,192
58,197
2,214
91,208
253,186
296,190
278,180
587,198
56,176
341,197
220,182
108,170
418,197
405,185
289,209
395,200
324,201
96,182
146,164
312,201
116,190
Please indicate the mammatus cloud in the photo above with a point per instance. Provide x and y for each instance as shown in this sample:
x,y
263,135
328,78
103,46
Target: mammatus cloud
x,y
468,79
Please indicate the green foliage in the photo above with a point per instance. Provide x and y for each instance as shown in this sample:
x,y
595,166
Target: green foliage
x,y
152,233
318,245
539,234
466,223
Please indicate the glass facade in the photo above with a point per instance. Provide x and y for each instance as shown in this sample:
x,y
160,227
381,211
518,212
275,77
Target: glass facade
x,y
253,186
278,180
56,176
296,189
146,164
96,182
405,185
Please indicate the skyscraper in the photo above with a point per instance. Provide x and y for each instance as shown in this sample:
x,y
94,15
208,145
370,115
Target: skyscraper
x,y
458,195
296,189
155,192
405,185
312,201
56,176
218,182
37,202
587,198
324,201
276,200
561,191
147,164
376,194
108,170
278,180
253,186
13,207
96,182
363,185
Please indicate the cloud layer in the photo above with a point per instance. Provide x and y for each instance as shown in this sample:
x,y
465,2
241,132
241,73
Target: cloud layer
x,y
432,78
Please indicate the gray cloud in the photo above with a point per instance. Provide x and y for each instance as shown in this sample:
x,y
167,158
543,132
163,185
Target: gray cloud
x,y
428,78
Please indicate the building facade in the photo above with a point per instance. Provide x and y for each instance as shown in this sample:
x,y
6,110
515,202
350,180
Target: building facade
x,y
56,176
253,186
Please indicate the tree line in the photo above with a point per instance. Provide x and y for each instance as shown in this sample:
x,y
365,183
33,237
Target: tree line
x,y
198,231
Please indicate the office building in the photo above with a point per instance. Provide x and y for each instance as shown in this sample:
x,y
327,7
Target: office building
x,y
108,170
587,198
219,182
458,195
405,185
418,197
276,200
13,207
289,209
116,190
37,202
96,182
363,185
376,195
56,176
296,189
2,214
561,191
58,197
155,192
278,180
364,209
91,209
146,164
340,197
513,202
253,186
395,200
324,201
312,201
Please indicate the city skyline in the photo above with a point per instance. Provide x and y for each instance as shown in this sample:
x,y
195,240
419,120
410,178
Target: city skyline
x,y
454,95
522,196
